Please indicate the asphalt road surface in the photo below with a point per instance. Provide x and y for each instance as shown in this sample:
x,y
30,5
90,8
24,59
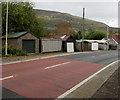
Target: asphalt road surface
x,y
51,77
100,57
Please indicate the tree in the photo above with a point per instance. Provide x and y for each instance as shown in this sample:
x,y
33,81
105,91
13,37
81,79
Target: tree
x,y
22,18
96,35
77,35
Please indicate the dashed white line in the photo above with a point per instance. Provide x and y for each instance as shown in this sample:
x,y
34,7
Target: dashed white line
x,y
57,65
6,78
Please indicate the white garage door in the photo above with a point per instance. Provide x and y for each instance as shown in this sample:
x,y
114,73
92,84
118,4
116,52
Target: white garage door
x,y
94,46
70,47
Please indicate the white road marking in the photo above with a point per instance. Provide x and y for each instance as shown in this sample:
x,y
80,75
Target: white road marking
x,y
81,83
57,65
6,78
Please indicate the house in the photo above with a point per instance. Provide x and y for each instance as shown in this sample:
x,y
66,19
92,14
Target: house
x,y
25,41
116,38
68,42
113,41
50,45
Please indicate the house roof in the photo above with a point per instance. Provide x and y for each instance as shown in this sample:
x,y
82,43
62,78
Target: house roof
x,y
115,37
62,37
15,35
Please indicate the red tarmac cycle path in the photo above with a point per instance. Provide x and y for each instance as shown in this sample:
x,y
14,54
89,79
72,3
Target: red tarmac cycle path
x,y
32,80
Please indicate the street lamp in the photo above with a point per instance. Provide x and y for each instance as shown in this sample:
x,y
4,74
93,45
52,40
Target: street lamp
x,y
6,42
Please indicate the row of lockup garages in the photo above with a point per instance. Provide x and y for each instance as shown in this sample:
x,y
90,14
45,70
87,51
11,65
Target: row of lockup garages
x,y
88,45
26,41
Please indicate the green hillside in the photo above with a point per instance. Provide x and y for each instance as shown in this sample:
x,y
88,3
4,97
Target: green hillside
x,y
54,18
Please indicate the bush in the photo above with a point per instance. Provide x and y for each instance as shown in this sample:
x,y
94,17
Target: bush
x,y
77,35
13,52
96,35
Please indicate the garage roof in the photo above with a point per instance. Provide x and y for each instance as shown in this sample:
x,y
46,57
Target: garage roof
x,y
62,37
92,41
15,35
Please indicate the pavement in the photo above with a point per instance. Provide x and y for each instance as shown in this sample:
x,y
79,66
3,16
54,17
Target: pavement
x,y
52,77
111,88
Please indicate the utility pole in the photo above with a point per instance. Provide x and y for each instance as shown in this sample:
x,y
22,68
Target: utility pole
x,y
6,42
107,35
108,32
83,30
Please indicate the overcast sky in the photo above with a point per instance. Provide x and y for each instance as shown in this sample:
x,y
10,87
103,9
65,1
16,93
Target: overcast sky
x,y
103,11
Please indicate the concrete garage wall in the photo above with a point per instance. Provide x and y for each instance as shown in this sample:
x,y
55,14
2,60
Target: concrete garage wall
x,y
51,45
87,46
